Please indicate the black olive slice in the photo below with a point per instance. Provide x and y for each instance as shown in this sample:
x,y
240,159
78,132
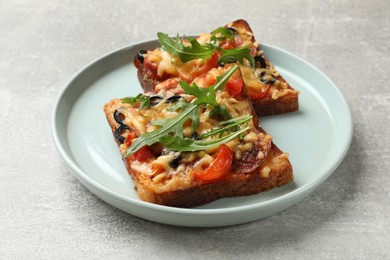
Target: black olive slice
x,y
262,78
155,99
174,98
176,157
195,136
176,161
118,132
118,116
231,60
227,61
261,61
234,30
262,74
268,81
140,55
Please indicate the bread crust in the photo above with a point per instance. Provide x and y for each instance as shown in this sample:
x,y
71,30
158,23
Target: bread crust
x,y
279,174
147,83
269,106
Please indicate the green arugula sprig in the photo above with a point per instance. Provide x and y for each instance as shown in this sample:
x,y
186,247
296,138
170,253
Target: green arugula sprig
x,y
207,95
143,100
170,133
231,125
176,143
221,34
185,53
204,51
171,126
237,54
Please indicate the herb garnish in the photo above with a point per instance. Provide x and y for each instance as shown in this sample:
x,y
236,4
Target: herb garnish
x,y
231,125
195,50
207,95
221,34
176,143
238,54
170,134
145,101
185,53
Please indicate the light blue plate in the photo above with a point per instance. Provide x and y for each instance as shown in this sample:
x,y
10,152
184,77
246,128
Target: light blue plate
x,y
317,138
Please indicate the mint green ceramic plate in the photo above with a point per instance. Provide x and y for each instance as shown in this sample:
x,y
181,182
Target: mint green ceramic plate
x,y
317,138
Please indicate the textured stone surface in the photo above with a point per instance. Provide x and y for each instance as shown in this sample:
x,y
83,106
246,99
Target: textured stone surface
x,y
46,213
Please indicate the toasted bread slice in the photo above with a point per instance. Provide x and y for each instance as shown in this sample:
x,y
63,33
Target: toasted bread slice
x,y
267,89
251,163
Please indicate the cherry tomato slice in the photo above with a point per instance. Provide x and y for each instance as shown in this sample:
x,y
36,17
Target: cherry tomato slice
x,y
227,45
234,86
211,63
157,168
129,139
255,94
142,155
219,167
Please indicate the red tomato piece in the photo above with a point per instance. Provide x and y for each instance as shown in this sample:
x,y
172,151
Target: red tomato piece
x,y
169,83
255,94
205,80
254,50
150,69
142,155
211,63
227,45
234,86
157,168
238,42
198,68
219,167
129,139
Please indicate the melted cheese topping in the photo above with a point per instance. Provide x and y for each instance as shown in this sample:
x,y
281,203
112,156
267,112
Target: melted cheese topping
x,y
172,65
252,80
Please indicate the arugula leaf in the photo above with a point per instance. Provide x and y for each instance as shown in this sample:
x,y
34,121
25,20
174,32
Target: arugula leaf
x,y
207,95
221,34
231,124
204,95
193,116
168,126
221,80
220,110
145,101
170,133
185,53
176,143
177,48
237,54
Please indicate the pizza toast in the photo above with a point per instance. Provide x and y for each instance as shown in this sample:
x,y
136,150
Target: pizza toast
x,y
266,88
169,157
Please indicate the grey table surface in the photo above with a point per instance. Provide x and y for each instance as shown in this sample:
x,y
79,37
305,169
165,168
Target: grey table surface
x,y
46,213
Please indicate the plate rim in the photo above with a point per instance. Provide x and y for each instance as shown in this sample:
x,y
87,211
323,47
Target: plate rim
x,y
294,194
